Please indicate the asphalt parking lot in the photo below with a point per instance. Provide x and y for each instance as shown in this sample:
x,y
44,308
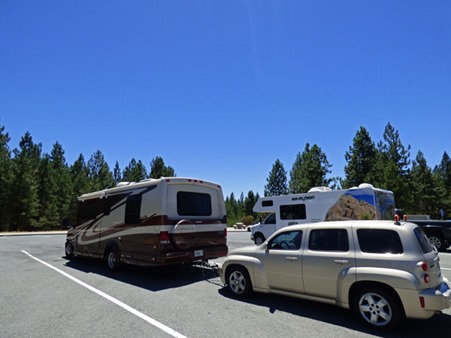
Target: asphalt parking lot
x,y
44,295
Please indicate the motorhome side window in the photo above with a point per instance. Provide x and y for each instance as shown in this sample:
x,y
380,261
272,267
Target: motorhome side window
x,y
267,203
193,204
133,209
89,210
293,211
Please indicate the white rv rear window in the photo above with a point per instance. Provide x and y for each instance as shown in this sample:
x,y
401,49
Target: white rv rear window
x,y
193,204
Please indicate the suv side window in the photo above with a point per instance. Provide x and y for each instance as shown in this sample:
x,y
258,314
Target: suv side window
x,y
329,240
379,241
288,240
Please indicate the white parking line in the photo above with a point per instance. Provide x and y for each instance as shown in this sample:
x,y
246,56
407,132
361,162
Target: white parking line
x,y
141,315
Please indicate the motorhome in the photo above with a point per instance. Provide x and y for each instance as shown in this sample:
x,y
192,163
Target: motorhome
x,y
150,223
322,204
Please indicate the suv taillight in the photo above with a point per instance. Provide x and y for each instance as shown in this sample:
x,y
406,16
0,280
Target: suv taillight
x,y
164,237
425,268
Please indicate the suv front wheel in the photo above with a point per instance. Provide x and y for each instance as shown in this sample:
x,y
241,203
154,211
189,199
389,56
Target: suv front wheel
x,y
238,281
377,308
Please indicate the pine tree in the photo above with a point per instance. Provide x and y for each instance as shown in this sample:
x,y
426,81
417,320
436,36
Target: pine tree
x,y
249,203
26,166
392,168
442,175
424,188
231,209
134,172
277,180
360,158
81,184
309,170
48,195
99,172
5,179
63,189
158,169
117,173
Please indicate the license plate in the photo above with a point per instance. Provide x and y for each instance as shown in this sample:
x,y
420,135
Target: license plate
x,y
198,253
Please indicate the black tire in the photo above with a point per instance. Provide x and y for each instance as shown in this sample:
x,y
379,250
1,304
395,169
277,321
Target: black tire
x,y
69,250
112,258
377,308
437,241
258,239
238,281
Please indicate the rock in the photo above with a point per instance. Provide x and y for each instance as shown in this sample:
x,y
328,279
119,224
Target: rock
x,y
348,207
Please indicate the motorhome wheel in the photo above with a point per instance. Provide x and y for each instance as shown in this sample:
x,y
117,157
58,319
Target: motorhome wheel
x,y
112,259
258,239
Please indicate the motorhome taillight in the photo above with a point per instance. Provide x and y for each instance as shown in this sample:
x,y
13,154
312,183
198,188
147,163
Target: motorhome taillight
x,y
164,237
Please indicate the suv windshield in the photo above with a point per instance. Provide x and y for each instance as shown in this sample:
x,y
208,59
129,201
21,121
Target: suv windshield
x,y
423,240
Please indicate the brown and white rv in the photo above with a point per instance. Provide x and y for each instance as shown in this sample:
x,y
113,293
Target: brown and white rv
x,y
152,222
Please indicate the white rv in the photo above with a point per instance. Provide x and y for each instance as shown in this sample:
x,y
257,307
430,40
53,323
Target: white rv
x,y
322,204
151,222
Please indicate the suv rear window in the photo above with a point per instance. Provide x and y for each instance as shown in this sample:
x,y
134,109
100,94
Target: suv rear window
x,y
379,241
423,240
193,204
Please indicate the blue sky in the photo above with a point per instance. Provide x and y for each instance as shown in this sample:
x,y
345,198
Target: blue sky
x,y
222,89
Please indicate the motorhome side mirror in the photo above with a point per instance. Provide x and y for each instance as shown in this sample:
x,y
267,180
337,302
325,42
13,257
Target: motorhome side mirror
x,y
65,223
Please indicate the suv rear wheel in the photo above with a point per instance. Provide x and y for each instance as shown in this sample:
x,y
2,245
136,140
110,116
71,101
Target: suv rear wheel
x,y
377,308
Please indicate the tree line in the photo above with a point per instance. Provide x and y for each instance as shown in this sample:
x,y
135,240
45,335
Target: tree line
x,y
418,188
39,190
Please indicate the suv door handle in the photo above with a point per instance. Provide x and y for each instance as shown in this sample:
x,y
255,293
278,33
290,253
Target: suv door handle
x,y
341,261
291,259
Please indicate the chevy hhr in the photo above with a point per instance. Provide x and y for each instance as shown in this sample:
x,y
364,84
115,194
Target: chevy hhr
x,y
383,271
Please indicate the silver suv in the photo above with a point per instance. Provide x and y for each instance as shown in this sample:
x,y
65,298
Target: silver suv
x,y
383,271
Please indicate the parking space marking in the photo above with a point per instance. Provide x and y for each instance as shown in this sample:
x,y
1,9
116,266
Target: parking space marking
x,y
126,307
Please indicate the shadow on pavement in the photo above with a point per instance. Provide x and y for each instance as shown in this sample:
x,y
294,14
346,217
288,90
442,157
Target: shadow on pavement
x,y
437,326
150,278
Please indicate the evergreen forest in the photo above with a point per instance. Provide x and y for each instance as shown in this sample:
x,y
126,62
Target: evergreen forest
x,y
39,190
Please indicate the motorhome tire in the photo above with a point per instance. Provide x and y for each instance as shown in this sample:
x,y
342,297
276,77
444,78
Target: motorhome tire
x,y
69,250
112,258
258,239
